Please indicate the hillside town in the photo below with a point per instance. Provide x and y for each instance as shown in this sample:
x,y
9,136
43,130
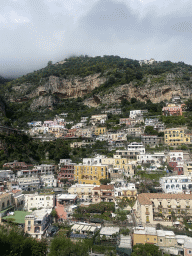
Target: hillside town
x,y
141,193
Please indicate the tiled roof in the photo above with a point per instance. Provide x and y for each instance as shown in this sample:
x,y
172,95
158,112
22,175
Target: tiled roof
x,y
144,198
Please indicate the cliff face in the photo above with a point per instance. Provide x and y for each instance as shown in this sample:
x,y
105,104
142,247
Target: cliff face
x,y
62,88
155,88
156,92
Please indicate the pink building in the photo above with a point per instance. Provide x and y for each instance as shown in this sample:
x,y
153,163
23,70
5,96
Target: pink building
x,y
172,111
63,205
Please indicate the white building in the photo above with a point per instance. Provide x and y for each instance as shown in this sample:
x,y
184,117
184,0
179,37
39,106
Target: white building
x,y
39,201
108,232
31,182
45,169
134,113
7,174
156,158
176,184
27,173
135,146
175,156
49,181
93,161
37,222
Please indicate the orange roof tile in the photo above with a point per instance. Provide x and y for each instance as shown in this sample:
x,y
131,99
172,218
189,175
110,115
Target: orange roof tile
x,y
144,198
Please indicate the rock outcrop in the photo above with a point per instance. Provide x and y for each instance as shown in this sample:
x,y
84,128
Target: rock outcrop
x,y
156,92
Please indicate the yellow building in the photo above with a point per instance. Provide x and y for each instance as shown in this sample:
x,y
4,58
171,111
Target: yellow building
x,y
90,174
100,130
147,235
119,163
176,136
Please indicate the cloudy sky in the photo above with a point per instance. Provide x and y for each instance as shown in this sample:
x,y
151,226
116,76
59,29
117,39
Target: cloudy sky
x,y
32,32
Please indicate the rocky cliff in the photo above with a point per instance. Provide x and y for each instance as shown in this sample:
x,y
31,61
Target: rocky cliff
x,y
48,91
152,90
54,86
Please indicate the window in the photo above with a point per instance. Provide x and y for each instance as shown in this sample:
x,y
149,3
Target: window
x,y
161,240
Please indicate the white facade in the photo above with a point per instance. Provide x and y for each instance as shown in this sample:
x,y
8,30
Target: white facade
x,y
135,146
175,156
156,158
93,161
49,181
176,184
27,173
134,113
45,169
119,191
7,174
25,183
38,201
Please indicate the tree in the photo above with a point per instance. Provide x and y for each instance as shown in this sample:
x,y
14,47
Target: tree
x,y
125,201
49,63
62,246
104,181
146,250
149,130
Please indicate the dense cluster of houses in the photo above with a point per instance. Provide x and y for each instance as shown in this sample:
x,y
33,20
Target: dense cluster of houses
x,y
20,184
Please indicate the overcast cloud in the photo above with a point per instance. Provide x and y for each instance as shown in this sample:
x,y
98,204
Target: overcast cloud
x,y
32,32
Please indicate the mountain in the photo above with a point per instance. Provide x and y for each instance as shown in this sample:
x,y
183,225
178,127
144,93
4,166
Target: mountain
x,y
97,81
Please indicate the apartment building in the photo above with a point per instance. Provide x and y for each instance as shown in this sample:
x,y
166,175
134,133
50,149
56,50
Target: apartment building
x,y
30,183
7,174
172,110
37,222
83,191
66,170
176,136
147,235
100,130
135,131
187,168
176,184
90,174
6,200
16,165
118,164
128,191
156,208
151,140
64,205
136,146
45,169
27,173
134,113
98,119
157,158
48,181
39,201
103,193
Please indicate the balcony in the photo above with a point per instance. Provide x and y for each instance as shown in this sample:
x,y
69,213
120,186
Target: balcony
x,y
178,206
169,206
147,213
187,206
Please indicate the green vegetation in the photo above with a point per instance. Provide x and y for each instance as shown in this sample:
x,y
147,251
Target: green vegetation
x,y
63,246
23,148
15,242
146,250
101,211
